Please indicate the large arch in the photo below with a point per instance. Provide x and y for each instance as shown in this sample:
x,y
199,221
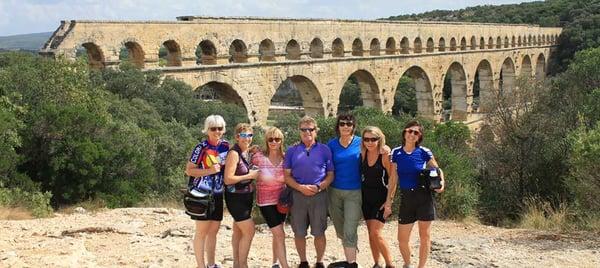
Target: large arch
x,y
337,48
507,77
311,98
375,47
316,48
173,50
266,50
483,87
390,46
218,91
95,55
292,50
357,47
369,90
206,53
134,53
540,67
526,67
458,96
423,92
238,52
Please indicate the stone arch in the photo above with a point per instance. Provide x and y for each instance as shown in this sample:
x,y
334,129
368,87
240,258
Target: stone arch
x,y
173,56
556,38
519,41
473,43
490,42
404,46
535,41
483,87
463,44
513,42
311,98
482,43
506,42
418,45
423,92
95,55
357,47
453,44
540,67
430,45
390,46
458,80
369,90
526,67
499,42
238,52
441,45
316,48
507,76
206,53
374,48
292,50
266,50
135,53
218,91
529,39
337,48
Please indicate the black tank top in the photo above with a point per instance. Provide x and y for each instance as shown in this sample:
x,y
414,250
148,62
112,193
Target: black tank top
x,y
374,176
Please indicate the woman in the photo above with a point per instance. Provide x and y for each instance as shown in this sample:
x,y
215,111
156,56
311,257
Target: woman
x,y
376,199
239,194
417,202
206,176
269,185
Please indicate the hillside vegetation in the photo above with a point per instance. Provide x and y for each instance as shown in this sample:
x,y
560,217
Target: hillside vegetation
x,y
28,42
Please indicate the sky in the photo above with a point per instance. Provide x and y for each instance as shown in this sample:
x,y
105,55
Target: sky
x,y
34,16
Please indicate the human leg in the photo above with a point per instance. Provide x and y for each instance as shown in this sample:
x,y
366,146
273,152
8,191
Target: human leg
x,y
246,230
404,231
425,241
210,244
198,242
279,245
352,200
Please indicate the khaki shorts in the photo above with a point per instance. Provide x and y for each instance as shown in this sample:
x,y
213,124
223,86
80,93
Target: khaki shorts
x,y
345,209
309,211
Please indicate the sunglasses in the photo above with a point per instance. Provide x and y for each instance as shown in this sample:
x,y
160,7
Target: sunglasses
x,y
374,139
216,128
307,129
346,124
414,132
275,140
246,135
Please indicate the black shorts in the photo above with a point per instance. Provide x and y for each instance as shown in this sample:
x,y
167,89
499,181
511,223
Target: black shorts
x,y
239,205
272,216
416,205
216,214
372,200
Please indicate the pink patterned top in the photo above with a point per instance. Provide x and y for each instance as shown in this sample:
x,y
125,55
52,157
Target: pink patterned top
x,y
270,182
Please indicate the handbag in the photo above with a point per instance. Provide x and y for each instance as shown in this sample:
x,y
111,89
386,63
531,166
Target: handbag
x,y
198,206
285,200
430,179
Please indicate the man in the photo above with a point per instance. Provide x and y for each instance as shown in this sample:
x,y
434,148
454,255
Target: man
x,y
308,169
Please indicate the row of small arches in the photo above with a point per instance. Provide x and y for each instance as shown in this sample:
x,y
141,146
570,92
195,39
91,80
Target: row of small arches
x,y
207,54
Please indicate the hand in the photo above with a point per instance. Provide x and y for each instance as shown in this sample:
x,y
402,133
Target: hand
x,y
252,174
385,150
443,183
308,189
387,209
254,149
214,169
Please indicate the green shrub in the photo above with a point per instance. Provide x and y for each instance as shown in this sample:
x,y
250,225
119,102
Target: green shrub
x,y
37,203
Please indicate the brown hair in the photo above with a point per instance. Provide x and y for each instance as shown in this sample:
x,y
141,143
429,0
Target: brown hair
x,y
241,127
410,124
345,117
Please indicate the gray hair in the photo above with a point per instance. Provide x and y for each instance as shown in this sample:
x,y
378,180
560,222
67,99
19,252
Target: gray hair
x,y
213,120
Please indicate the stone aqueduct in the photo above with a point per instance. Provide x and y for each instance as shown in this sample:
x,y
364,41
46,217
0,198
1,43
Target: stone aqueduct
x,y
247,59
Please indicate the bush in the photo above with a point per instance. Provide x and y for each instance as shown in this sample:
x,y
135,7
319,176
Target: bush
x,y
584,178
37,203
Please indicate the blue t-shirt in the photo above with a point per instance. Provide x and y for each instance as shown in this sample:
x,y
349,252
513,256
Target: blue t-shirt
x,y
409,166
308,165
346,161
204,155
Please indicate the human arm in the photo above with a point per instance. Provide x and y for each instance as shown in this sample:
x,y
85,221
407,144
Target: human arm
x,y
390,168
194,170
230,165
291,182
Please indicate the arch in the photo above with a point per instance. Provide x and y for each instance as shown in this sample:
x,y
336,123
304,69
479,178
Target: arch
x,y
369,90
423,93
404,46
390,46
506,42
499,42
441,45
453,44
513,42
463,44
529,39
482,43
337,48
311,98
173,56
535,41
418,45
374,47
473,43
218,91
519,41
238,52
292,50
95,56
540,67
430,45
526,67
266,50
490,42
133,52
543,40
357,47
458,92
507,76
556,38
483,88
206,53
316,48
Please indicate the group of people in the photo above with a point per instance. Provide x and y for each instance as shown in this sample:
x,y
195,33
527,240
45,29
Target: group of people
x,y
350,178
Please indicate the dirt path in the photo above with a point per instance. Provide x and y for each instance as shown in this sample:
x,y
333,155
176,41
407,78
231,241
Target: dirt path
x,y
158,237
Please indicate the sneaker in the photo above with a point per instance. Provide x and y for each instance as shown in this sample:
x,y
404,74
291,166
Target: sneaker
x,y
390,266
319,265
214,266
377,266
303,264
352,265
339,264
275,265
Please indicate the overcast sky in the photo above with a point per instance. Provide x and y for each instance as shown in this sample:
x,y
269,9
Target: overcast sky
x,y
33,16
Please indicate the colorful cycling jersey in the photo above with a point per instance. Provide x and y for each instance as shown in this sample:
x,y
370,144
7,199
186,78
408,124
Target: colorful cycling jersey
x,y
205,155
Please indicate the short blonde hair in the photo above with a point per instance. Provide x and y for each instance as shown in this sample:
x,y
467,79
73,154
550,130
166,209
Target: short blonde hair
x,y
308,120
377,133
213,120
241,127
273,132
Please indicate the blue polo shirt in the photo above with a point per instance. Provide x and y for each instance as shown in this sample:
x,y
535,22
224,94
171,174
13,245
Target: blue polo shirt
x,y
346,161
409,166
309,165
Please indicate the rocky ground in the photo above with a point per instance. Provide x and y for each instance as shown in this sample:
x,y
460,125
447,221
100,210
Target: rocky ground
x,y
159,237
